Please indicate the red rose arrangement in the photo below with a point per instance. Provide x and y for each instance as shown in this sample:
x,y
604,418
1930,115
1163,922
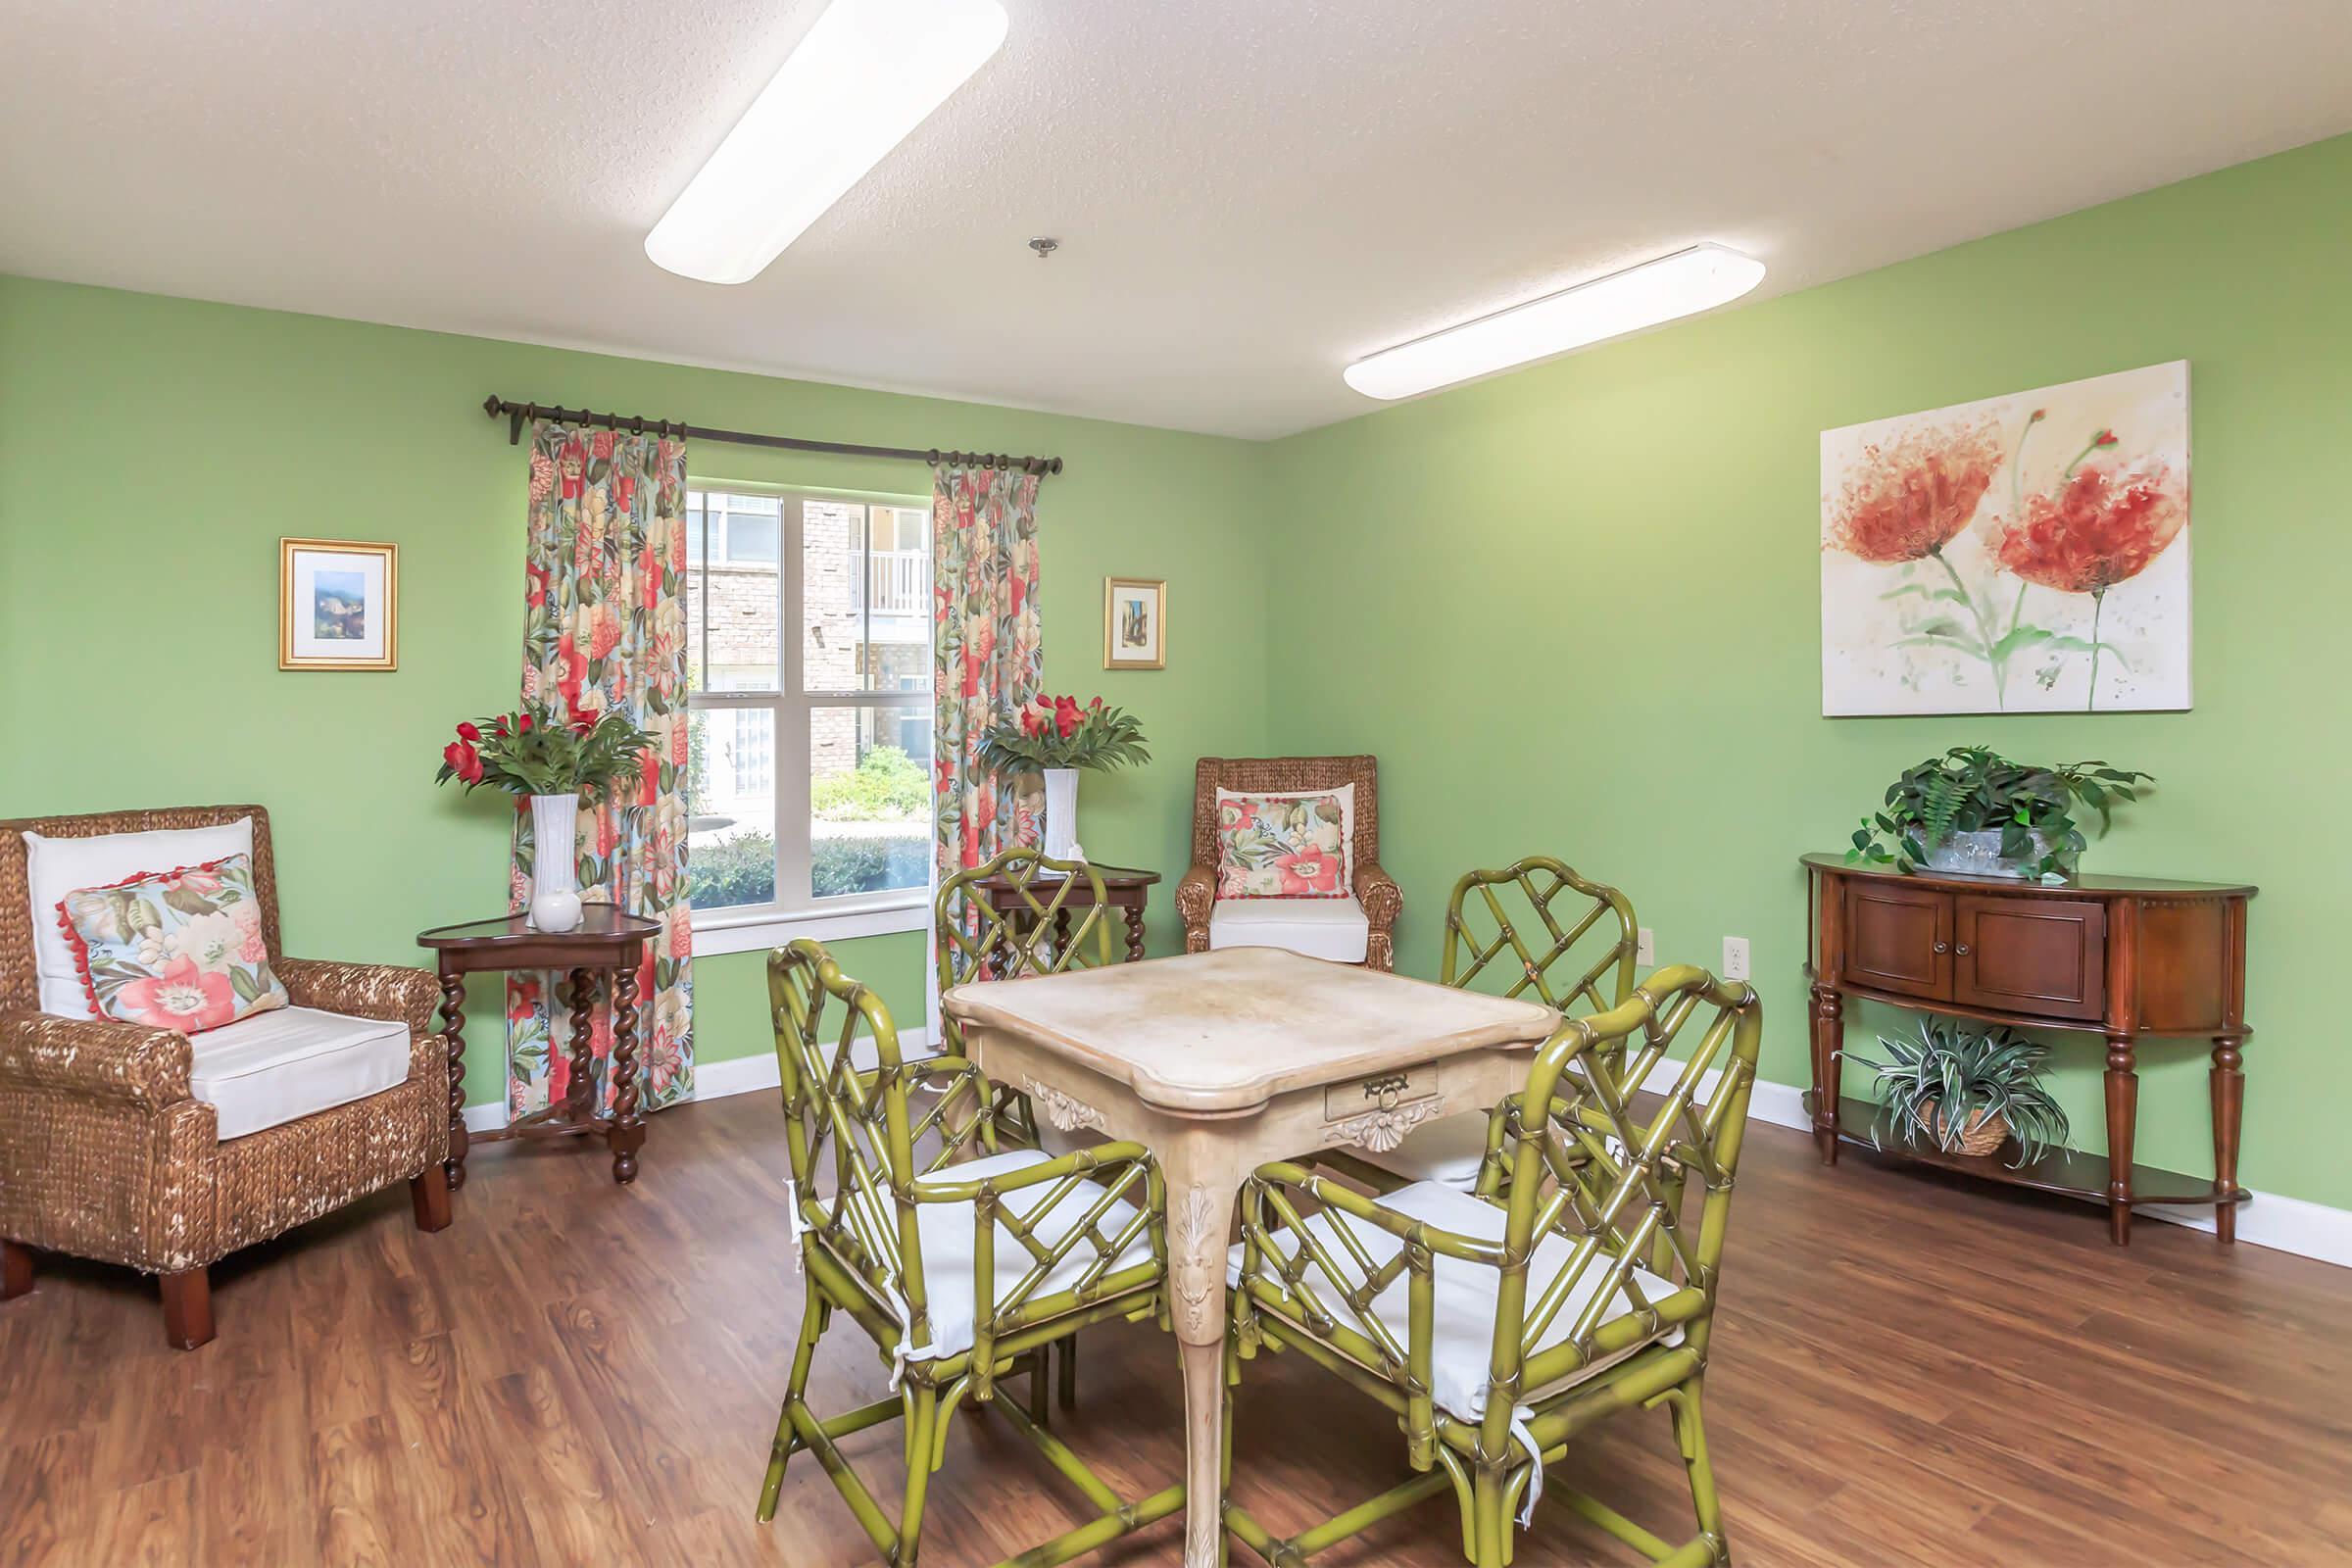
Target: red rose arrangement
x,y
1062,732
584,752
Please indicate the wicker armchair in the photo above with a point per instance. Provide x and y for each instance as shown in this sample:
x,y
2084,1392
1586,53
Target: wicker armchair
x,y
1374,889
106,1154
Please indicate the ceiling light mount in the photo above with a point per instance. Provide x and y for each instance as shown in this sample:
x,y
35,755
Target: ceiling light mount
x,y
1681,284
1044,246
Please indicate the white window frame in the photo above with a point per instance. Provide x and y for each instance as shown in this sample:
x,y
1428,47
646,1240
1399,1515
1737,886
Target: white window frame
x,y
744,928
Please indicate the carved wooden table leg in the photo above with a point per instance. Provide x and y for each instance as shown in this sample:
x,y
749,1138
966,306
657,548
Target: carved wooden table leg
x,y
1135,932
579,1093
1202,1184
627,1134
2228,1110
452,1027
1829,1048
2123,1117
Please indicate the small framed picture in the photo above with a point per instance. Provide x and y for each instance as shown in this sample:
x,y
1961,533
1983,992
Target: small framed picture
x,y
338,604
1134,623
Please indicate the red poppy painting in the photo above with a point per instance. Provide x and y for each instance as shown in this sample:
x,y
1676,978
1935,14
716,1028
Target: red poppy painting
x,y
2023,554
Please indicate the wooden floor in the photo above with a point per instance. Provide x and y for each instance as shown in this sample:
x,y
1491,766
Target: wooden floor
x,y
1907,1370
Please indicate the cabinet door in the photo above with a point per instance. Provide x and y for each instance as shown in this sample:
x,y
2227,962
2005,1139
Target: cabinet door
x,y
2035,956
1898,938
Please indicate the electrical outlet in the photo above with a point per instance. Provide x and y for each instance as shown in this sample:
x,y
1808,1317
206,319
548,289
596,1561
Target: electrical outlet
x,y
1645,948
1735,958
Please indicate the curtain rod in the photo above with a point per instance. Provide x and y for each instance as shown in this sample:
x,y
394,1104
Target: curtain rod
x,y
516,412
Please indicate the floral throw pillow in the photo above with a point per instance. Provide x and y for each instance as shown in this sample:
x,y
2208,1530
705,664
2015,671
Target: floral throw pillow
x,y
1292,845
176,949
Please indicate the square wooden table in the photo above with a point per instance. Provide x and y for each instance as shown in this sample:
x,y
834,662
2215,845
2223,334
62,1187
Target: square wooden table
x,y
1218,1062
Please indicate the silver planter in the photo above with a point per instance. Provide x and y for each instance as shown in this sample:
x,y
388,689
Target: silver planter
x,y
1979,854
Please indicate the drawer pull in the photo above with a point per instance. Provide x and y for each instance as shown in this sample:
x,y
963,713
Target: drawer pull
x,y
1381,1092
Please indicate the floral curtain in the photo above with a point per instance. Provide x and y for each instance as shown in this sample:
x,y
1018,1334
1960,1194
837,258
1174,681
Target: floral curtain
x,y
604,626
985,652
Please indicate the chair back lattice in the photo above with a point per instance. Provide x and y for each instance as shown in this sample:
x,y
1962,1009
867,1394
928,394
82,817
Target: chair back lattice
x,y
1587,1168
1042,930
860,1182
1541,912
850,1134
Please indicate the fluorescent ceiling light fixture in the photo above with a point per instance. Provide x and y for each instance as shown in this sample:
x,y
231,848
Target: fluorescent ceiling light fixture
x,y
1682,284
868,73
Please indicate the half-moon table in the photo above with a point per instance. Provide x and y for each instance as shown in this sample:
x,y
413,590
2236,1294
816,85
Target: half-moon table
x,y
1218,1062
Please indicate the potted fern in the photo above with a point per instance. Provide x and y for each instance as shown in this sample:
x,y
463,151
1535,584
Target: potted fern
x,y
1975,812
1967,1091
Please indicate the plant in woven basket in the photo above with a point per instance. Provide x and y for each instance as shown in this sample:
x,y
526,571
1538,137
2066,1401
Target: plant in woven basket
x,y
1967,1091
1972,789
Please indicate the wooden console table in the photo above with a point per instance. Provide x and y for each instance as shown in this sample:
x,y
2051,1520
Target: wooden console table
x,y
609,941
1124,890
2116,956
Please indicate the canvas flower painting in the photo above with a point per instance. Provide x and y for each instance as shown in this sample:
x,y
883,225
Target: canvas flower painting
x,y
2024,553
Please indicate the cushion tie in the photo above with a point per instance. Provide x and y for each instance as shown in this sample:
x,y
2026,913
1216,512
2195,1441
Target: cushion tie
x,y
1524,1435
800,1226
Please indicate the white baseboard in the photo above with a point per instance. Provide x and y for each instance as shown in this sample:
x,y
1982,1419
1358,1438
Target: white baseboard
x,y
2266,1219
713,1080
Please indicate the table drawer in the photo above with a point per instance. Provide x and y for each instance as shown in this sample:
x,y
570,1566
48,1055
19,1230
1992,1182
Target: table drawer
x,y
1380,1092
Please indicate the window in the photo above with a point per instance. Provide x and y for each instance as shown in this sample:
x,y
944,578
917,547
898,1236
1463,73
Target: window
x,y
808,784
735,528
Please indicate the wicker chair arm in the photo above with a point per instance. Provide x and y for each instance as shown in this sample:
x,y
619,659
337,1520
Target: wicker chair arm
x,y
1379,894
96,1057
362,991
1195,896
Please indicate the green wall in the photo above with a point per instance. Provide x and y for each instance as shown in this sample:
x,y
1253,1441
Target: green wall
x,y
153,452
1576,609
1573,610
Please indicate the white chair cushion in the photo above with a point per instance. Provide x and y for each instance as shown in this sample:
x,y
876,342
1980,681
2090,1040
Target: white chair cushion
x,y
55,868
1462,1344
1447,1152
949,1230
291,1062
1337,929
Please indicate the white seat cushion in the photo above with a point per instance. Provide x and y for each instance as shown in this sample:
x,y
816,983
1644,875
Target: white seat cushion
x,y
1462,1344
1315,928
1447,1152
949,1230
55,868
290,1062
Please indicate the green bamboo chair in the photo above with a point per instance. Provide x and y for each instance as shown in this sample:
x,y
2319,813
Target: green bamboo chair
x,y
1498,1327
961,1268
1570,944
1041,934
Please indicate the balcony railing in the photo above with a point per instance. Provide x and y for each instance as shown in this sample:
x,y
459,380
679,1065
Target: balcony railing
x,y
898,582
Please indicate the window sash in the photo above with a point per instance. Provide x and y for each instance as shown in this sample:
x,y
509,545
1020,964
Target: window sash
x,y
793,708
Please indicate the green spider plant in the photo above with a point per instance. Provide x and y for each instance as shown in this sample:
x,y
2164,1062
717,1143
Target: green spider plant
x,y
1956,1072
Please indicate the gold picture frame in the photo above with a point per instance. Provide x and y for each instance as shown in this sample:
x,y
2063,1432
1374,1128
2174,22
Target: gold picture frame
x,y
338,604
1134,623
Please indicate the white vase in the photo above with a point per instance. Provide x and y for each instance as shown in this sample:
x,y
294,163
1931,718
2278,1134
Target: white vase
x,y
555,873
1062,814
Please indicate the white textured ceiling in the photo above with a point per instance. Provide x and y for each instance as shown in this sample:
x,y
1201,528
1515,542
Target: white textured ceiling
x,y
1249,194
